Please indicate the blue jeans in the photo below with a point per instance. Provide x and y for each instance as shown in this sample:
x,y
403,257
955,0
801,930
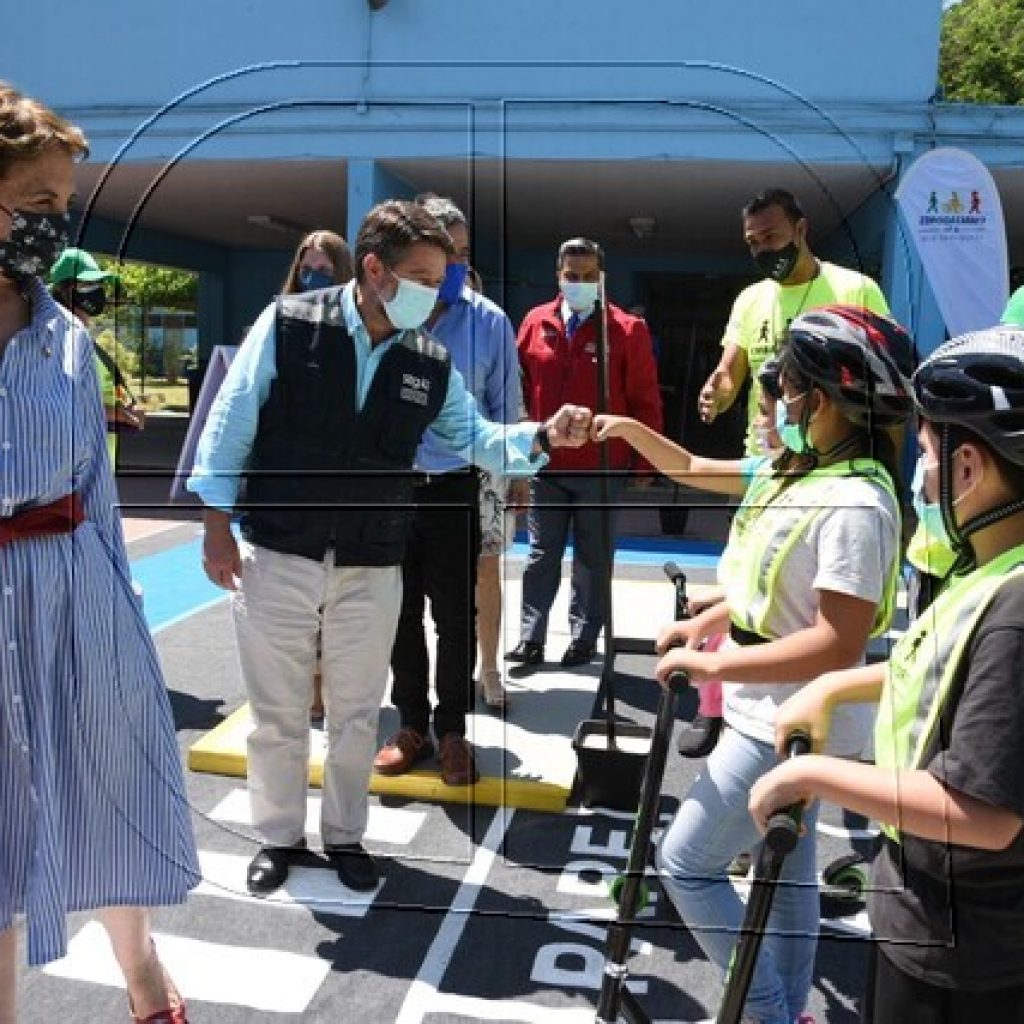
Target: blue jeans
x,y
556,503
710,828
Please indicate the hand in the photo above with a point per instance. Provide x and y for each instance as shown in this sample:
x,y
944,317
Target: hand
x,y
518,494
700,596
606,426
221,560
807,711
698,665
135,418
684,633
783,786
708,402
569,427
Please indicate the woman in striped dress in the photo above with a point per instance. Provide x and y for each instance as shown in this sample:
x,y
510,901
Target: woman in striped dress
x,y
91,792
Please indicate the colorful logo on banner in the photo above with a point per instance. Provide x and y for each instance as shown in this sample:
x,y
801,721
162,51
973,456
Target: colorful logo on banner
x,y
952,208
952,213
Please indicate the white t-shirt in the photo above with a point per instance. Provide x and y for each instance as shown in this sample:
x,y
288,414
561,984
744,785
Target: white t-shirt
x,y
847,549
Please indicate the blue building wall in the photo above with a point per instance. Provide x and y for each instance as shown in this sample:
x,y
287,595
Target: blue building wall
x,y
585,80
140,55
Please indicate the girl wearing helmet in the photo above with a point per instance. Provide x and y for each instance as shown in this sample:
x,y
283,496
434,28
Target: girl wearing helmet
x,y
947,904
809,574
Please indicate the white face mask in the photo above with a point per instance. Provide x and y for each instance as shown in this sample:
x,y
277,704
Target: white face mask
x,y
411,304
580,295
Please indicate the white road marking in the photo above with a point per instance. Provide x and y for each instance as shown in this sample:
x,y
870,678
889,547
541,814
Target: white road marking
x,y
385,825
840,832
205,971
423,995
508,1010
307,888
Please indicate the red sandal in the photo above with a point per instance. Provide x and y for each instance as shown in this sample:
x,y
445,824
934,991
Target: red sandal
x,y
174,1014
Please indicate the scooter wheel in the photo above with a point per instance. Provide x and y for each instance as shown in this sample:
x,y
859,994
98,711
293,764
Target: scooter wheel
x,y
846,877
643,893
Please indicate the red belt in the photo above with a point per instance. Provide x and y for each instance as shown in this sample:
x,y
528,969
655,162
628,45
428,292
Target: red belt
x,y
60,516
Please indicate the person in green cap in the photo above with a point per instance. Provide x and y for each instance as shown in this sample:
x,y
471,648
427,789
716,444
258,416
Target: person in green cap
x,y
78,283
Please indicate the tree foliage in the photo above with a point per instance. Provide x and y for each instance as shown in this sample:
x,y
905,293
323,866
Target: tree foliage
x,y
981,57
144,284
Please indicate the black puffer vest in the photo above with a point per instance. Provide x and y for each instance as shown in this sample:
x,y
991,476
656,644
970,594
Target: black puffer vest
x,y
322,473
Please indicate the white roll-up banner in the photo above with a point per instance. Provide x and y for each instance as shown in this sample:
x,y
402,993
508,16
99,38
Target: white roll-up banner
x,y
951,207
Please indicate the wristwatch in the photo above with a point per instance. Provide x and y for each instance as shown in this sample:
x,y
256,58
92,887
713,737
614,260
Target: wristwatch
x,y
542,439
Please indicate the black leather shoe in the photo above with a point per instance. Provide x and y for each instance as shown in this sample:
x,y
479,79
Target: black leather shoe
x,y
698,738
268,870
578,653
356,868
527,653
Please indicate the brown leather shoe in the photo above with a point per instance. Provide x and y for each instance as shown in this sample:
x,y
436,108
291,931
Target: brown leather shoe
x,y
457,765
402,751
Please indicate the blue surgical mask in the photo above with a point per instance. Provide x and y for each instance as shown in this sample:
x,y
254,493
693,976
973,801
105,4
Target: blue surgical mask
x,y
311,279
929,515
792,435
581,296
454,279
411,304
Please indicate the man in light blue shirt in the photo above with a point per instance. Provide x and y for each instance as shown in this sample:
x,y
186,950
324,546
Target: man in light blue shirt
x,y
444,543
322,412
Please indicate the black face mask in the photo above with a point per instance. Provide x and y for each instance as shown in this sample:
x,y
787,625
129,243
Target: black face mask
x,y
778,264
35,242
91,301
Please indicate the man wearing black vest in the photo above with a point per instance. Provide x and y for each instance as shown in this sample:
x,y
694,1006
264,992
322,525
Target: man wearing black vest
x,y
321,413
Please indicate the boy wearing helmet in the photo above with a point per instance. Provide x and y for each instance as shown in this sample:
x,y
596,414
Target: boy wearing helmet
x,y
948,785
809,574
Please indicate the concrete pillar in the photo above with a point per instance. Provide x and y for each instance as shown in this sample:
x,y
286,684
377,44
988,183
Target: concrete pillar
x,y
369,184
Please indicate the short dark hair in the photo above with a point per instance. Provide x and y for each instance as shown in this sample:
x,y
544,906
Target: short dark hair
x,y
579,247
442,208
1012,473
394,226
780,197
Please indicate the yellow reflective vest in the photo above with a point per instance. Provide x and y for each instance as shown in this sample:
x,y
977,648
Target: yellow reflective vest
x,y
930,555
925,662
775,514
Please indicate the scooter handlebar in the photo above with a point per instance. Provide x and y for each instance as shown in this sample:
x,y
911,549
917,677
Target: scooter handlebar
x,y
784,825
673,572
678,682
678,578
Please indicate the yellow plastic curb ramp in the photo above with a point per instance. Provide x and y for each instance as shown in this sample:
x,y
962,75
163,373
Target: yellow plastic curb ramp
x,y
222,752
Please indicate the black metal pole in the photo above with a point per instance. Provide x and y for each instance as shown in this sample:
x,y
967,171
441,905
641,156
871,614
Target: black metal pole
x,y
607,683
781,838
617,946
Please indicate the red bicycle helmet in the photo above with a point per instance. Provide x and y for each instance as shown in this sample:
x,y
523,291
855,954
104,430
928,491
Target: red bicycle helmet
x,y
862,360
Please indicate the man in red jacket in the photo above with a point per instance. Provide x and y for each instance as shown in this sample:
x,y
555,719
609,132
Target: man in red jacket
x,y
558,353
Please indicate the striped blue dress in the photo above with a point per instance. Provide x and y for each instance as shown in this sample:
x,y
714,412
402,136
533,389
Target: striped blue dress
x,y
92,801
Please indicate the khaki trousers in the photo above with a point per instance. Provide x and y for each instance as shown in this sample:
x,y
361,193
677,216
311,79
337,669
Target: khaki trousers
x,y
283,602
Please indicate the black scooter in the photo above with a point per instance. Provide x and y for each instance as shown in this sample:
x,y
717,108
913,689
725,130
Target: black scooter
x,y
630,891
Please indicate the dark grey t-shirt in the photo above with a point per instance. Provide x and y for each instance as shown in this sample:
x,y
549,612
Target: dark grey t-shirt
x,y
950,915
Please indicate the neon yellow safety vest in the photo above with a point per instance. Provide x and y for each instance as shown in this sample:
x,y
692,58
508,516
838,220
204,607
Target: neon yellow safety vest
x,y
930,554
925,661
760,543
